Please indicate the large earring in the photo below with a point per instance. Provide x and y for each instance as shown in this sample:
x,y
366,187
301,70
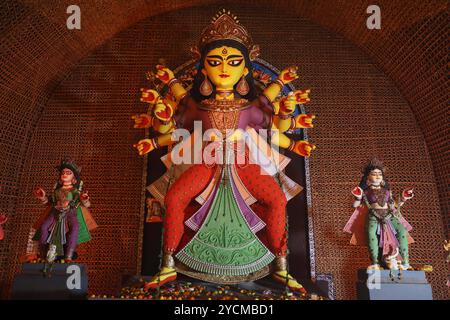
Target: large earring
x,y
206,87
242,87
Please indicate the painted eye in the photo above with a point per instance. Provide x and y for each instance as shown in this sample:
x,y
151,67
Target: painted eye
x,y
235,63
213,63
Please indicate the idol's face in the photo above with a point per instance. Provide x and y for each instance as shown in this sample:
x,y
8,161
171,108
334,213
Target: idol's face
x,y
375,177
224,66
67,176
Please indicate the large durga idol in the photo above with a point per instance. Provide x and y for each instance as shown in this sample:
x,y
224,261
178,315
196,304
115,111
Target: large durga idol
x,y
225,209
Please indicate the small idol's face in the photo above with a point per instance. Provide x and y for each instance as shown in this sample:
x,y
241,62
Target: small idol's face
x,y
224,66
375,177
67,176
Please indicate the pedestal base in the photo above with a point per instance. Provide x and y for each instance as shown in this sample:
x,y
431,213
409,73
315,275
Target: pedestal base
x,y
393,285
55,282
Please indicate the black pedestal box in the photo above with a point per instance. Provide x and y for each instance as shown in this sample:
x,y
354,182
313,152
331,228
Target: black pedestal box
x,y
60,282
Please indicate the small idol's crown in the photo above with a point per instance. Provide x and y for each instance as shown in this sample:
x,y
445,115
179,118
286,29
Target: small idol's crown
x,y
225,25
69,164
374,163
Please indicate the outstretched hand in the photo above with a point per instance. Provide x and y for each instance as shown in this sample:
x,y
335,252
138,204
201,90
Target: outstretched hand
x,y
163,111
357,192
144,146
39,193
407,194
303,148
287,104
304,121
84,196
288,75
3,219
164,74
302,96
142,121
149,95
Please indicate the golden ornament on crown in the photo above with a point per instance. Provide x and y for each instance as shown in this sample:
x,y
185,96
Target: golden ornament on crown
x,y
223,26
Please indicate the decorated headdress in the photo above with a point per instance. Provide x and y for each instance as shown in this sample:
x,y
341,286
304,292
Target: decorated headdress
x,y
225,26
68,163
373,164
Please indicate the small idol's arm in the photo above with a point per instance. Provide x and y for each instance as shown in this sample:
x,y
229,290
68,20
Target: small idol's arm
x,y
407,194
357,193
85,199
3,219
39,194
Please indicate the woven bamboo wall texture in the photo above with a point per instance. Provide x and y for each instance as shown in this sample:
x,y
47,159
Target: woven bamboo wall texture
x,y
37,51
411,48
101,92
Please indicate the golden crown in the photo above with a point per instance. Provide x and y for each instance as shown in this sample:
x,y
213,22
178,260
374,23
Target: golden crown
x,y
223,26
